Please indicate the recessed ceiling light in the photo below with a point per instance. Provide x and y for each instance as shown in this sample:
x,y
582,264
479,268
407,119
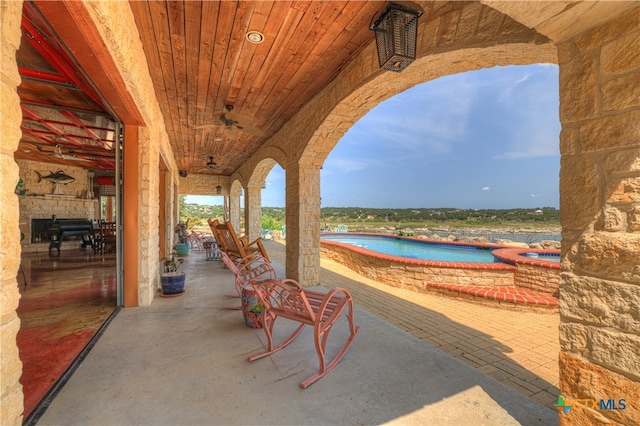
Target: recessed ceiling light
x,y
255,37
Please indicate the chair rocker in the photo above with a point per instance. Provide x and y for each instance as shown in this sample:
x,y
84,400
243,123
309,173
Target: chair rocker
x,y
249,270
237,248
287,299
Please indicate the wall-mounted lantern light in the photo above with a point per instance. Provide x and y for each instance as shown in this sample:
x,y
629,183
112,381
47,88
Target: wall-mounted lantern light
x,y
218,190
396,29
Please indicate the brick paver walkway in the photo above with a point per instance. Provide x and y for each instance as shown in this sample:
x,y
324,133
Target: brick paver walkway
x,y
520,349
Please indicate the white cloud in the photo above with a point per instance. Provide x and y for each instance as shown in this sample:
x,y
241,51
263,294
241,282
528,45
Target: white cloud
x,y
486,189
346,165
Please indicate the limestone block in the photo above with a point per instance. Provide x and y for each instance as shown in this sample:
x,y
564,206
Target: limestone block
x,y
612,255
633,219
568,141
623,161
601,302
579,194
621,55
624,23
622,92
578,90
613,220
580,379
624,190
616,131
610,348
11,366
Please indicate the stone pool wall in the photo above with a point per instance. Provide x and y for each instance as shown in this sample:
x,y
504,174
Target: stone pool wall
x,y
536,274
413,274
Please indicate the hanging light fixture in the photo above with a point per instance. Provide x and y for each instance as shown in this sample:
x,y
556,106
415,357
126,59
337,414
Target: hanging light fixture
x,y
396,29
218,190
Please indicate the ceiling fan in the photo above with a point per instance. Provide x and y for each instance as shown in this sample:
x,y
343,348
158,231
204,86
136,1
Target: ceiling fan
x,y
232,122
213,166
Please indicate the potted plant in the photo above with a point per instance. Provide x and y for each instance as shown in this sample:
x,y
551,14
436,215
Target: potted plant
x,y
182,239
172,279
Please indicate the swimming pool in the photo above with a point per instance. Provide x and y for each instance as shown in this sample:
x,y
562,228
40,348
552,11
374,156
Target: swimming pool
x,y
483,264
414,249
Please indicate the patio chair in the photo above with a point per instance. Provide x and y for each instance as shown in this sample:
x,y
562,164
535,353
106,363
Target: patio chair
x,y
287,299
246,271
342,228
237,248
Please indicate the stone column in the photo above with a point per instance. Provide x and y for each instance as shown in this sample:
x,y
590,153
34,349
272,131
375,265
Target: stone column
x,y
303,224
253,212
234,209
600,216
11,397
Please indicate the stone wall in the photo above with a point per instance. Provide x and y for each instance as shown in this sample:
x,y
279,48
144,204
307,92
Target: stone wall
x,y
537,274
600,205
11,399
204,185
413,274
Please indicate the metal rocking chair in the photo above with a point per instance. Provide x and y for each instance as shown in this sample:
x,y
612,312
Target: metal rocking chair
x,y
287,299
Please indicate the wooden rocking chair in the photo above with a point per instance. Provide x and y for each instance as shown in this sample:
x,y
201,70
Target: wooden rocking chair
x,y
237,248
248,270
287,299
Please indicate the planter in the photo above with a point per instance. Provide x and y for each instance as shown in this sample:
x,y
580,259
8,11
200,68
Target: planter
x,y
182,249
251,307
172,283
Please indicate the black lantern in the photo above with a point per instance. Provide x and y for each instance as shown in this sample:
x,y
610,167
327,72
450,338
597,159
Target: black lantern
x,y
396,31
218,190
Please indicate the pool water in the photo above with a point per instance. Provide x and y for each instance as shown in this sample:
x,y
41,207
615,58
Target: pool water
x,y
414,249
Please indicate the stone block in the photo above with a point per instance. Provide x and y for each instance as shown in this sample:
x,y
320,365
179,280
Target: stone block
x,y
633,219
568,141
609,132
623,162
579,193
624,190
610,348
621,93
613,220
621,55
611,255
601,302
578,90
624,23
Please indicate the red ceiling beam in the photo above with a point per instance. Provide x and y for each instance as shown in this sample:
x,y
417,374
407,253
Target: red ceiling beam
x,y
44,76
60,62
75,120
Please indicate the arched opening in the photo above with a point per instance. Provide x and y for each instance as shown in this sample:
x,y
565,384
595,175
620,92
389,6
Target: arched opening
x,y
485,140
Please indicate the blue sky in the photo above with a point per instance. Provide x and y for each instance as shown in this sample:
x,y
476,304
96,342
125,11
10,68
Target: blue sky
x,y
482,139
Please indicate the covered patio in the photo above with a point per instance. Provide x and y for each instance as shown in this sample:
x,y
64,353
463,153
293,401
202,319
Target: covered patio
x,y
185,81
183,361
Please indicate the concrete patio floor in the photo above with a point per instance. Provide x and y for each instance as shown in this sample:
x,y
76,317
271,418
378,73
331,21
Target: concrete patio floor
x,y
182,361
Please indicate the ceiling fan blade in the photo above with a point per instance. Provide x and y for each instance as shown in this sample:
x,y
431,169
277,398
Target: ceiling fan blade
x,y
240,118
208,126
253,131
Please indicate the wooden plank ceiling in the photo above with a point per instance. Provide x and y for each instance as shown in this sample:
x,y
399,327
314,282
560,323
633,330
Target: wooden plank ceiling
x,y
201,61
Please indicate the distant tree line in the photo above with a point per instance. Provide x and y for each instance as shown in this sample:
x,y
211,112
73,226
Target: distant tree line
x,y
274,217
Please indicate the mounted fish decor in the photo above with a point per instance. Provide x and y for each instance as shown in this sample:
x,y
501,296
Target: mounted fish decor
x,y
57,178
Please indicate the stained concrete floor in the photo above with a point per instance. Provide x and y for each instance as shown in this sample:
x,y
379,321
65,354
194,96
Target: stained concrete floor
x,y
182,361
